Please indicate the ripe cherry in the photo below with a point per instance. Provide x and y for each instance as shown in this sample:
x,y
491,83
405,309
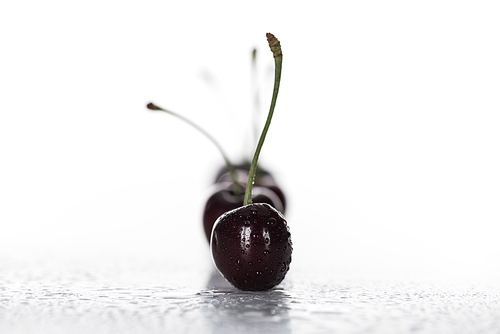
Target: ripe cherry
x,y
263,178
223,199
228,194
251,245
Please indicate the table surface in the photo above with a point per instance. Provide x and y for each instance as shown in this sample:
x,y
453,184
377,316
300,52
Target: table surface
x,y
127,294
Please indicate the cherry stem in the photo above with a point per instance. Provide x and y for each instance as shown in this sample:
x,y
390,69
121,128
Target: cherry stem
x,y
275,46
237,188
256,100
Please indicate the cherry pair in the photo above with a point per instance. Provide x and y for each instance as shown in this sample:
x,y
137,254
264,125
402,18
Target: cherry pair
x,y
224,198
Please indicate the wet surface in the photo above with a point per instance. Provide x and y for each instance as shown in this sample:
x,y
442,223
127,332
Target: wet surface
x,y
136,296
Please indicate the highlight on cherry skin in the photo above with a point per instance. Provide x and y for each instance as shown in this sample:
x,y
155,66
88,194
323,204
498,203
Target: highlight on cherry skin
x,y
251,247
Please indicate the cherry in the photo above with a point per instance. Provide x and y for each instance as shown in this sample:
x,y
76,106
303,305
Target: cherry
x,y
263,178
224,199
251,245
229,194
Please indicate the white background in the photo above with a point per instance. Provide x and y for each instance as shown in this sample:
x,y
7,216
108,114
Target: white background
x,y
386,135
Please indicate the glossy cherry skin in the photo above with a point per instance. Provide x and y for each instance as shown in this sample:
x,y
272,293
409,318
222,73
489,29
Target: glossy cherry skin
x,y
263,178
223,200
251,247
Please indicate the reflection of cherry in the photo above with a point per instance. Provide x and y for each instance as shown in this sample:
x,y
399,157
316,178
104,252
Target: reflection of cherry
x,y
251,245
223,200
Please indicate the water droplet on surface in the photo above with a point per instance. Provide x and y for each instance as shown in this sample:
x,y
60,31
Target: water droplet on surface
x,y
271,221
246,222
250,263
267,240
266,252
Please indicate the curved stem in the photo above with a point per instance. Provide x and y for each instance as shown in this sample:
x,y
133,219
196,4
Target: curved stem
x,y
278,60
230,167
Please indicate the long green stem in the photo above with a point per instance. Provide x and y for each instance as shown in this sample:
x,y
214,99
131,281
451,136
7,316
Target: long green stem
x,y
230,167
275,46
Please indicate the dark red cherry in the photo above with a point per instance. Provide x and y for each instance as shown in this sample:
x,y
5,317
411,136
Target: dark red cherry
x,y
251,247
223,200
263,178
